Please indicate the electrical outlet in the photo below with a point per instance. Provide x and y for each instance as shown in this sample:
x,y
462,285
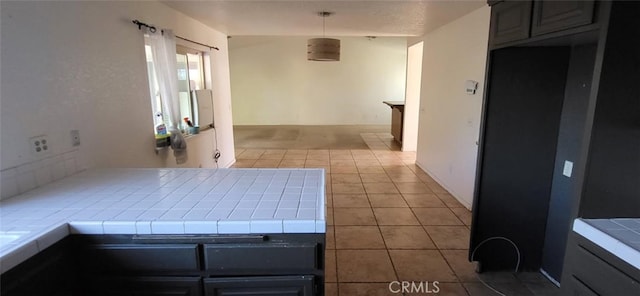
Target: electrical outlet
x,y
75,138
568,168
40,145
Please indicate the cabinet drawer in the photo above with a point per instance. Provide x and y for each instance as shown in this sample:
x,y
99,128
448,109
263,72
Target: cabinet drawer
x,y
600,276
260,258
152,258
145,286
552,16
510,21
268,285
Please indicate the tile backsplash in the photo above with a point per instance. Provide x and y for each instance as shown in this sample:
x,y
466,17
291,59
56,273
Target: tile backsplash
x,y
22,178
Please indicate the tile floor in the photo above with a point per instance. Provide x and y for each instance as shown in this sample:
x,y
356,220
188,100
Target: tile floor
x,y
389,221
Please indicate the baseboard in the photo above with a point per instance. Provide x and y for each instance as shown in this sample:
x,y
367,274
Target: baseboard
x,y
452,192
550,278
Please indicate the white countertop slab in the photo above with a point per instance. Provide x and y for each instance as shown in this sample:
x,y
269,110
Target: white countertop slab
x,y
162,201
620,237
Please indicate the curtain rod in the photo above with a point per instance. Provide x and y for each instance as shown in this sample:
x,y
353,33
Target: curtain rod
x,y
153,29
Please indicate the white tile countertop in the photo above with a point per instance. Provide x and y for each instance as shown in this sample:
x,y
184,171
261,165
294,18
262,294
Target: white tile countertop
x,y
620,237
162,201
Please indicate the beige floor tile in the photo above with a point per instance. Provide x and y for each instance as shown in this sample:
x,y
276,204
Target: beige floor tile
x,y
272,156
391,161
395,216
244,163
329,217
421,265
345,178
250,154
375,178
371,169
443,289
330,238
347,188
423,200
380,188
292,163
329,198
330,266
463,214
350,200
354,216
340,169
406,187
461,266
367,162
512,288
266,163
316,162
331,289
366,289
449,237
387,200
364,266
449,200
404,178
406,237
358,237
436,216
436,188
342,156
343,162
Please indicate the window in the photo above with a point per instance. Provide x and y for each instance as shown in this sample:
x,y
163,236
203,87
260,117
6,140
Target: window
x,y
190,74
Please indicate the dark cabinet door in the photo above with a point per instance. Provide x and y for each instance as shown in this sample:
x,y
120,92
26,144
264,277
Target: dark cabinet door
x,y
146,286
260,286
144,257
277,258
510,21
552,16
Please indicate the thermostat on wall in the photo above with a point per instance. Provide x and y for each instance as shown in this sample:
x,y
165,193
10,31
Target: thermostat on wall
x,y
471,87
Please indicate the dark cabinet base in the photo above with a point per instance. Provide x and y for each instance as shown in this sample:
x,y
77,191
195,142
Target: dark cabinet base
x,y
119,265
258,286
146,286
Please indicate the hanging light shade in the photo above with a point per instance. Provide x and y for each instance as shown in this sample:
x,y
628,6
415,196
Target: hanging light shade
x,y
323,49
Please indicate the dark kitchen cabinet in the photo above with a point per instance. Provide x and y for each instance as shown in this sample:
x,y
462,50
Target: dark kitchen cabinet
x,y
562,96
146,286
592,270
270,285
133,265
552,16
510,21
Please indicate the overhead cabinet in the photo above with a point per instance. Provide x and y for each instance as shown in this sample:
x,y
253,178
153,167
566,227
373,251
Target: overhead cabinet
x,y
513,21
559,95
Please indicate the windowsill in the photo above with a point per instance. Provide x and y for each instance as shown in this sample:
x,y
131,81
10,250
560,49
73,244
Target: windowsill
x,y
187,138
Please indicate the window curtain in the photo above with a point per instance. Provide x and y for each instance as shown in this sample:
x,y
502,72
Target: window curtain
x,y
163,47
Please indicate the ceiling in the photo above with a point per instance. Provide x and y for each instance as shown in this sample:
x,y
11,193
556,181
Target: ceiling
x,y
351,18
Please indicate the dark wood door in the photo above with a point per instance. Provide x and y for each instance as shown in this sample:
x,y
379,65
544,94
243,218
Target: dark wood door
x,y
552,16
260,286
510,21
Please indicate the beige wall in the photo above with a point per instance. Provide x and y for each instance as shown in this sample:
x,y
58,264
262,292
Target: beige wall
x,y
81,65
273,83
449,118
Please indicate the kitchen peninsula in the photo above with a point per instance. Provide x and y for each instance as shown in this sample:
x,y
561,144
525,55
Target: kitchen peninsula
x,y
181,231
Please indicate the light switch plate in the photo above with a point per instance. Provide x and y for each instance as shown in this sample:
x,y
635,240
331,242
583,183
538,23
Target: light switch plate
x,y
568,168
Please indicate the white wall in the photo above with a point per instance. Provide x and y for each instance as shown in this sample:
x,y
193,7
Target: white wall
x,y
449,118
412,97
273,83
81,65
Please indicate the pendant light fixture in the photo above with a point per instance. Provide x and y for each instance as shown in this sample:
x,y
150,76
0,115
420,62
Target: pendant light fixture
x,y
323,49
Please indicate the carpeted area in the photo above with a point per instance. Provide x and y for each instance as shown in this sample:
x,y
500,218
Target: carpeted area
x,y
304,136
